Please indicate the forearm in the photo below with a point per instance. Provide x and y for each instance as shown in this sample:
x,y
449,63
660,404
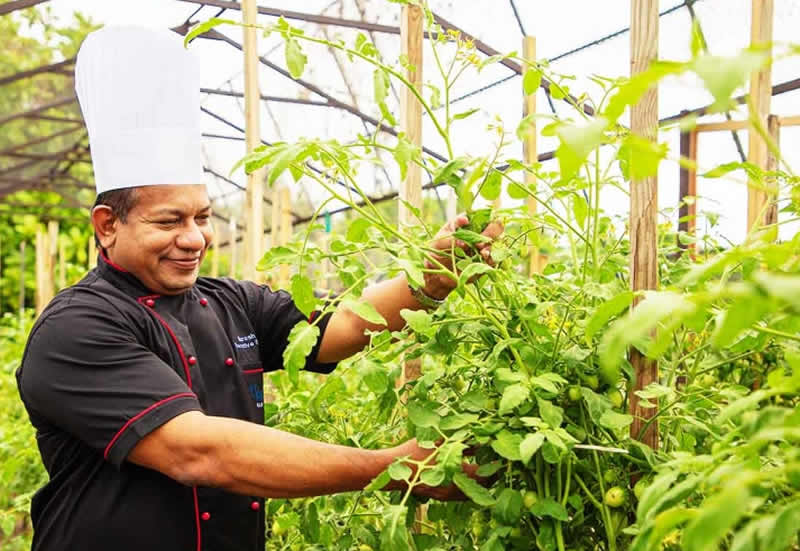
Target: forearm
x,y
251,459
345,334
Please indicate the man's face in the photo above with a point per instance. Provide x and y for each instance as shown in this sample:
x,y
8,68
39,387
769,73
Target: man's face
x,y
165,237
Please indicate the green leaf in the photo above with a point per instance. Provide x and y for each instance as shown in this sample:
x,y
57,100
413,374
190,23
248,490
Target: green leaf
x,y
530,445
531,81
418,320
492,185
404,153
450,456
717,516
781,531
205,26
380,82
595,403
550,413
579,209
457,421
547,507
641,156
302,339
364,310
399,471
513,396
652,535
394,536
576,142
465,114
697,44
295,58
653,492
473,490
422,416
375,377
781,286
379,482
474,269
432,477
311,522
605,311
506,444
508,508
303,294
742,313
413,271
615,421
357,230
722,76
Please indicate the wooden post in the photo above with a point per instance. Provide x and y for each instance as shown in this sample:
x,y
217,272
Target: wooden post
x,y
410,109
62,263
644,203
91,253
529,149
254,231
21,279
687,211
760,97
233,245
41,253
286,233
771,216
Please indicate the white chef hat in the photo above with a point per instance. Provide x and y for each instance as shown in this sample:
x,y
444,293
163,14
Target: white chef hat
x,y
139,92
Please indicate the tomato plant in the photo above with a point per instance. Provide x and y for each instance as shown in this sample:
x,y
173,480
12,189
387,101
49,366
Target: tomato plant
x,y
525,374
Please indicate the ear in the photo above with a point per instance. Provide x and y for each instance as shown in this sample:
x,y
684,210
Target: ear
x,y
105,226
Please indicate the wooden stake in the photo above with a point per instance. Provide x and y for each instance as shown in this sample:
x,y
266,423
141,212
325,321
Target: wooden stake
x,y
774,128
760,97
21,280
687,213
233,245
254,231
91,253
62,263
41,253
644,204
411,109
286,233
529,150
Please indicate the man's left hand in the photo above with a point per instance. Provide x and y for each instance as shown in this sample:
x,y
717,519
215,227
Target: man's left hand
x,y
439,285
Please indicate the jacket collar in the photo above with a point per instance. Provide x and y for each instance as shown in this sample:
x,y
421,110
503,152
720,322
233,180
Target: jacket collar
x,y
126,281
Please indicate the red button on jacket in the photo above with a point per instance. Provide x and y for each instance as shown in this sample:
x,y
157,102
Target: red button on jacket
x,y
192,360
206,515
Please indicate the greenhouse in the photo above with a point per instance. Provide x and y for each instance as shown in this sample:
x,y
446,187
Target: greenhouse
x,y
400,275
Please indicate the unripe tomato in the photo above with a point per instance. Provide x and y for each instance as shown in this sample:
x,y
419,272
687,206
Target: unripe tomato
x,y
615,397
459,385
706,380
529,499
592,381
615,497
364,547
610,476
574,393
640,487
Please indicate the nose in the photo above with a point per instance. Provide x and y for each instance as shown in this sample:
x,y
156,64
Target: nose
x,y
191,239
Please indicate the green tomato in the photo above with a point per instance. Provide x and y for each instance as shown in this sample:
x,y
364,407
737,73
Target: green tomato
x,y
610,476
592,381
459,385
616,398
364,547
615,497
706,380
529,499
478,529
574,393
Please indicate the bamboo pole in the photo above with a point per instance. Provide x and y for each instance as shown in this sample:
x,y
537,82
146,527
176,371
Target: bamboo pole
x,y
721,126
254,230
529,149
41,253
687,213
793,120
21,280
760,98
62,263
285,233
410,109
91,253
644,204
774,129
233,245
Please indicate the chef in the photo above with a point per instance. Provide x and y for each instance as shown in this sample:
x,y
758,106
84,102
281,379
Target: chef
x,y
143,380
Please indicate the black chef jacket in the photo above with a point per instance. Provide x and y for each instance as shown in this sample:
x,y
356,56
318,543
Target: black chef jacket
x,y
107,363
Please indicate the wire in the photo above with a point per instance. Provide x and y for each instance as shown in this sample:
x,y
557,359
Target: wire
x,y
519,21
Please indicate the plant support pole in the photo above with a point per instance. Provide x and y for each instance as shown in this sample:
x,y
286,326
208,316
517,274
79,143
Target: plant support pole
x,y
411,109
254,229
530,154
760,99
687,209
644,203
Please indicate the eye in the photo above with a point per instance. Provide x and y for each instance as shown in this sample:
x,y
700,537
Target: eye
x,y
168,221
203,218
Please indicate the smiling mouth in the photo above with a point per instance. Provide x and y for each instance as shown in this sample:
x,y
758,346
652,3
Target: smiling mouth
x,y
185,264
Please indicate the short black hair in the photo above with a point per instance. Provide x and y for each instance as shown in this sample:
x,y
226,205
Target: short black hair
x,y
120,201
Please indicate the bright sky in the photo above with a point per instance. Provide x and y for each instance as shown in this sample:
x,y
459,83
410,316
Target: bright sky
x,y
558,26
